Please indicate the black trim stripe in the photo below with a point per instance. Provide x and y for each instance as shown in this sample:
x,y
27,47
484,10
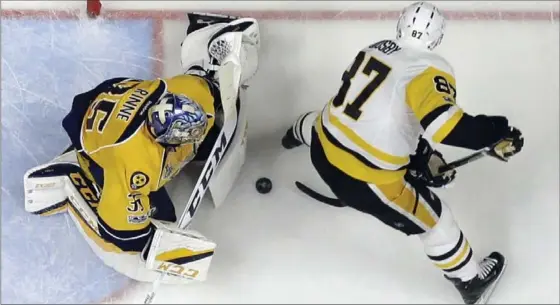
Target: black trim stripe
x,y
162,166
129,245
339,145
461,265
427,195
450,253
416,201
96,171
301,137
190,259
141,113
433,115
51,208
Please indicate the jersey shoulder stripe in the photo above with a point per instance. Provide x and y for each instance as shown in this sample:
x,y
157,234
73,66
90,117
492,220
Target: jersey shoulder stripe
x,y
114,116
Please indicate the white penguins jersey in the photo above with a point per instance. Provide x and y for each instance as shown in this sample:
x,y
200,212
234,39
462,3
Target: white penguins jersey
x,y
390,95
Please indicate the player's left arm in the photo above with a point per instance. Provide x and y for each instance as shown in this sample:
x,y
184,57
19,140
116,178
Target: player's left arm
x,y
124,209
432,97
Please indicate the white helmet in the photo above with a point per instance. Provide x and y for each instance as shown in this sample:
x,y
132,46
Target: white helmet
x,y
421,24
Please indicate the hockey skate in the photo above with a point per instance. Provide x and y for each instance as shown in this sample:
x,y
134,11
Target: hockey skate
x,y
289,140
300,131
480,288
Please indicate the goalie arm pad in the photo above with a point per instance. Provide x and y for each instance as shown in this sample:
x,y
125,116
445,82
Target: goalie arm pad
x,y
182,253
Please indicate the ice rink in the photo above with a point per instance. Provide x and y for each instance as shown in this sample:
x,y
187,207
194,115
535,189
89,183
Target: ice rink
x,y
284,247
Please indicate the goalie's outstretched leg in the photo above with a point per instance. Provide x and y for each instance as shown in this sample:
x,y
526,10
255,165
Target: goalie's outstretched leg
x,y
45,185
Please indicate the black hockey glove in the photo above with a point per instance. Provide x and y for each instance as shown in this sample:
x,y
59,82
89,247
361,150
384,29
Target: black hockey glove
x,y
509,145
424,166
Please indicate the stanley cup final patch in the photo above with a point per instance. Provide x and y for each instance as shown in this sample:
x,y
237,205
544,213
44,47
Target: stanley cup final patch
x,y
138,180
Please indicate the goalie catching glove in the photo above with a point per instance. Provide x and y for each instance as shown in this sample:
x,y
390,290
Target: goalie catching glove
x,y
425,164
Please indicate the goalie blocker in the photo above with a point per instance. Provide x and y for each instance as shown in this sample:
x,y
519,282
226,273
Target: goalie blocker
x,y
180,254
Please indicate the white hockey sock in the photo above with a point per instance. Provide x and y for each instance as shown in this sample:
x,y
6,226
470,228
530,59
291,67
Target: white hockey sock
x,y
303,125
449,249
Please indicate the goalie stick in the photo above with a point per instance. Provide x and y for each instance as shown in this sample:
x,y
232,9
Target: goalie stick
x,y
229,75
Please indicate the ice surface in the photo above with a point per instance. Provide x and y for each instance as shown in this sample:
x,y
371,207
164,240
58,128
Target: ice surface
x,y
283,246
44,64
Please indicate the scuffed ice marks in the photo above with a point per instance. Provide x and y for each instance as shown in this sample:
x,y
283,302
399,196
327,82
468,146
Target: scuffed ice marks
x,y
45,63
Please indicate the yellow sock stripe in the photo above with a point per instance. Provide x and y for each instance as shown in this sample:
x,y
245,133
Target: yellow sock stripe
x,y
457,260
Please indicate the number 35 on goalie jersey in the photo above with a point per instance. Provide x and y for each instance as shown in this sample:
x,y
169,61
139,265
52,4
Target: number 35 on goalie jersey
x,y
388,97
117,152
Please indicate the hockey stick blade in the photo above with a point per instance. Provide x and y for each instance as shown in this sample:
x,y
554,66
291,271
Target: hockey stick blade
x,y
322,198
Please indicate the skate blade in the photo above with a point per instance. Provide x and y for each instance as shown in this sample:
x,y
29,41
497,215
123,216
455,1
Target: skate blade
x,y
488,293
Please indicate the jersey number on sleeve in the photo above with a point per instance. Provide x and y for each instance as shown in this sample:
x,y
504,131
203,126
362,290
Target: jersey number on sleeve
x,y
104,108
352,109
443,86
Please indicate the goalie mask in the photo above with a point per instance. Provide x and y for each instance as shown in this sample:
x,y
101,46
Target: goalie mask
x,y
177,120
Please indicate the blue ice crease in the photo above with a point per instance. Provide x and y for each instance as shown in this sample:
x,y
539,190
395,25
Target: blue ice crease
x,y
44,64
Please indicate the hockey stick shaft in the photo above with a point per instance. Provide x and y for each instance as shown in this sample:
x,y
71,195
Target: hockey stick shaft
x,y
335,202
450,166
465,160
229,78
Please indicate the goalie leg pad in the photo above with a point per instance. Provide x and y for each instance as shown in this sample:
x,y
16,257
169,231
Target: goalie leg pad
x,y
44,185
180,254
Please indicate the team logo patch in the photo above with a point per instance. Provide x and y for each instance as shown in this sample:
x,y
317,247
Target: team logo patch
x,y
167,171
138,180
137,219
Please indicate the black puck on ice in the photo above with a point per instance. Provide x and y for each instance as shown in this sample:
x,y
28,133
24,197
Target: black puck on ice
x,y
263,185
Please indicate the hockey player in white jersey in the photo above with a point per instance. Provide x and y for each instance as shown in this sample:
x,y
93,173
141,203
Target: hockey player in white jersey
x,y
365,144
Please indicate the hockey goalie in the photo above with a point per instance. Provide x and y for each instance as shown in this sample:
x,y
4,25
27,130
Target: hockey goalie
x,y
130,137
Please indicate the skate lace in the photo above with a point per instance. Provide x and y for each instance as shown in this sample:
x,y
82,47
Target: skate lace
x,y
486,267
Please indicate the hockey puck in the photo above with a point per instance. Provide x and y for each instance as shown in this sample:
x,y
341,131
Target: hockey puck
x,y
263,185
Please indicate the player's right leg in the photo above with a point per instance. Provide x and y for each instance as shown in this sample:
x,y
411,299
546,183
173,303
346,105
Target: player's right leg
x,y
300,132
410,208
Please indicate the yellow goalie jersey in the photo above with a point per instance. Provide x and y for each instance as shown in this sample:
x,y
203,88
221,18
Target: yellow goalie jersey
x,y
117,152
389,96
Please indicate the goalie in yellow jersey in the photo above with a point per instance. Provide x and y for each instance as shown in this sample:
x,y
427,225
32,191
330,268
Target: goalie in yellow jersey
x,y
130,137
